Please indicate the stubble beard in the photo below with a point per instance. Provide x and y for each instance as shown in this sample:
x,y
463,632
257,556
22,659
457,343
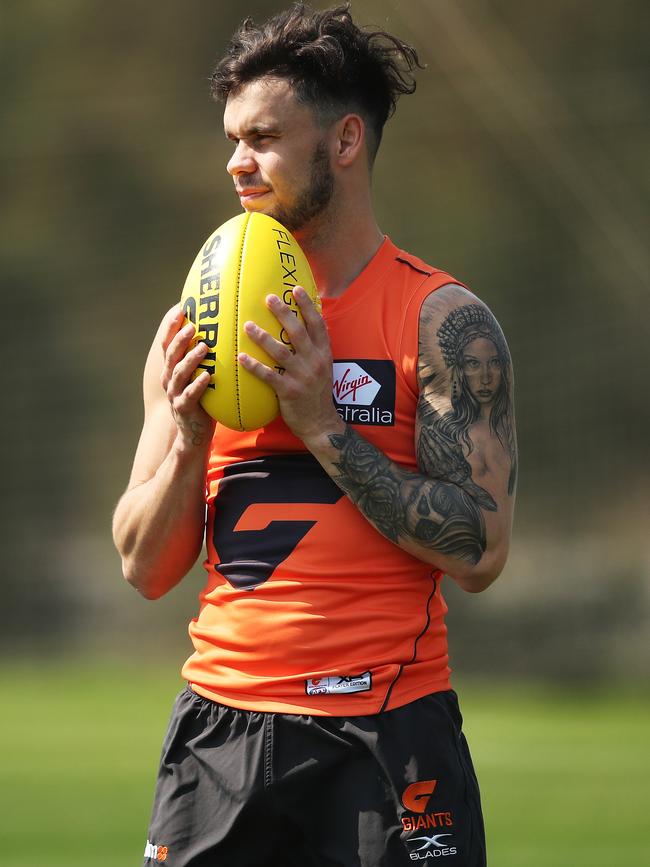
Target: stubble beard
x,y
314,199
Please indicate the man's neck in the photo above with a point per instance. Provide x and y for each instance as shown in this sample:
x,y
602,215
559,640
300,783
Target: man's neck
x,y
339,250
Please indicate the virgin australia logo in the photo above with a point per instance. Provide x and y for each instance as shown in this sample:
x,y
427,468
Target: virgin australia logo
x,y
353,385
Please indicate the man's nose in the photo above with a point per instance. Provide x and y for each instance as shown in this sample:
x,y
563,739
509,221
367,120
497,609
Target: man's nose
x,y
242,161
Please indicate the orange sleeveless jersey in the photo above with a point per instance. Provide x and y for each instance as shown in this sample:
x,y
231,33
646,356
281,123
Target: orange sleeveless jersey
x,y
307,608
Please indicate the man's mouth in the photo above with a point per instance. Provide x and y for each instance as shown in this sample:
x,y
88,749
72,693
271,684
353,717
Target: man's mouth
x,y
250,193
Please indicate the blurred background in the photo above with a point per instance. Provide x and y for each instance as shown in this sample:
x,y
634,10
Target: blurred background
x,y
520,165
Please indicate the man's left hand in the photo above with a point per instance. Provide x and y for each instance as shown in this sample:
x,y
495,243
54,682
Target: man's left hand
x,y
304,388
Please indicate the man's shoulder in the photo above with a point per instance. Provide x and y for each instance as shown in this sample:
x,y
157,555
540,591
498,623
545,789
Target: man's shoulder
x,y
421,277
415,263
417,266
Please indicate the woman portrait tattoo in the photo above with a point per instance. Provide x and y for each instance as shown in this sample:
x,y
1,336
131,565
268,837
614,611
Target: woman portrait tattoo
x,y
477,362
475,351
477,359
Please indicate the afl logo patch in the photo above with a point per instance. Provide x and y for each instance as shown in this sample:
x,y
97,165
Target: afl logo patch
x,y
364,391
339,684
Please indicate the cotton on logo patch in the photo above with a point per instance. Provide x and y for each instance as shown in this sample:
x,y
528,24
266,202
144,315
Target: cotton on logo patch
x,y
155,853
353,385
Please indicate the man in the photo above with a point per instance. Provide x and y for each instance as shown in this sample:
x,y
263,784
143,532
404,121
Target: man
x,y
318,726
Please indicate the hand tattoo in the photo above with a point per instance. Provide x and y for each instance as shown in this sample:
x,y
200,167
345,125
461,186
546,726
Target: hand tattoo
x,y
197,430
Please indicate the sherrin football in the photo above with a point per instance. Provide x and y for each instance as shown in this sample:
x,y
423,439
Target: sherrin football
x,y
243,261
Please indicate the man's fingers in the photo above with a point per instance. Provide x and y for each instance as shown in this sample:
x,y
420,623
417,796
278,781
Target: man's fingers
x,y
170,326
277,350
314,322
175,351
300,333
272,377
184,368
192,393
294,332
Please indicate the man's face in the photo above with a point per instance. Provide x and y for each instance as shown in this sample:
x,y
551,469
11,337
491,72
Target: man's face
x,y
281,164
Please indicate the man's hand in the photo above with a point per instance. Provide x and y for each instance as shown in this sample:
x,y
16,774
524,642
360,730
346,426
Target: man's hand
x,y
304,388
181,359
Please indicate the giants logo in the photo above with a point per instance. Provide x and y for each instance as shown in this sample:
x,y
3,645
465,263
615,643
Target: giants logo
x,y
364,391
416,796
416,799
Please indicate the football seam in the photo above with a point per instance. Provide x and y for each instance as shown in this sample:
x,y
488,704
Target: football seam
x,y
236,318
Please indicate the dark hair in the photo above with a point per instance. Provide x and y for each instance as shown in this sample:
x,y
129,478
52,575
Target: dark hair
x,y
333,65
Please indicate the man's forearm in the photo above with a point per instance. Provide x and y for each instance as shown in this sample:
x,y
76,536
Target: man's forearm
x,y
436,521
158,524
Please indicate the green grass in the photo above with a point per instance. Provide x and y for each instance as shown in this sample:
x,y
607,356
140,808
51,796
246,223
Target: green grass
x,y
564,776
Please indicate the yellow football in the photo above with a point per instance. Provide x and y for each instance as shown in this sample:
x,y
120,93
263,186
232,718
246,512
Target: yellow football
x,y
243,261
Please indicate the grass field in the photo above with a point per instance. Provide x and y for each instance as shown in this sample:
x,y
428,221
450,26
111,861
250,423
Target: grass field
x,y
565,776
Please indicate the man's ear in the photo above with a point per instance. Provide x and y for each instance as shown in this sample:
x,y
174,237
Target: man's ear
x,y
350,139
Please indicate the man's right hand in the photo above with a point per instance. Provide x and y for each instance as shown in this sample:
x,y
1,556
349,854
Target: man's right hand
x,y
181,359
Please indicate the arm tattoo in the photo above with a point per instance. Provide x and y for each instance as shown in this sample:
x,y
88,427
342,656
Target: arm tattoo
x,y
478,363
372,482
444,510
435,514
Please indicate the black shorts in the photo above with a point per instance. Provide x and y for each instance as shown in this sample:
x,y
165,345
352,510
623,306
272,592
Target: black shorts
x,y
243,788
